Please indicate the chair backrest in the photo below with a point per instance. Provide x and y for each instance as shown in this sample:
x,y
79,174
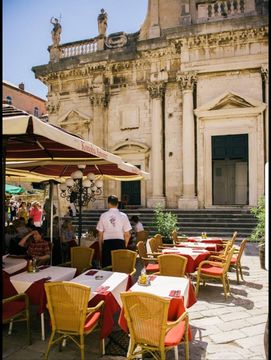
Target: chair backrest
x,y
159,240
241,250
174,236
142,236
81,257
123,260
228,260
146,316
153,245
234,237
67,304
172,265
142,252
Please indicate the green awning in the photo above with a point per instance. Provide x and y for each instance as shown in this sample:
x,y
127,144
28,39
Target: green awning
x,y
12,189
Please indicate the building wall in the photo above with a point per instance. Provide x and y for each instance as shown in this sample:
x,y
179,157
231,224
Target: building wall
x,y
23,100
154,101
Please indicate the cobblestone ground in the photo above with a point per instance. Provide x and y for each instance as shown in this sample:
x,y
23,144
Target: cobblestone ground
x,y
231,329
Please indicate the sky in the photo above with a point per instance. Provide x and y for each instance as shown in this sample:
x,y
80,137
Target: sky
x,y
27,31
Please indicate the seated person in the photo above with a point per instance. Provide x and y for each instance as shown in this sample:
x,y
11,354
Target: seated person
x,y
21,228
136,227
37,248
67,238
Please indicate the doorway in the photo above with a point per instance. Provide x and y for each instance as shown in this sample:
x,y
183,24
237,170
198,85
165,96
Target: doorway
x,y
230,169
131,193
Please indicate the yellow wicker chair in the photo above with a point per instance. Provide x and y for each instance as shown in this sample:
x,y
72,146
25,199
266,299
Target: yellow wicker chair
x,y
215,270
236,260
171,265
219,256
154,245
81,258
123,260
147,260
69,313
177,239
231,241
142,236
150,331
14,309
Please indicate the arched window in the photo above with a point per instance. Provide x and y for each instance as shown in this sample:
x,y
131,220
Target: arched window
x,y
36,111
9,100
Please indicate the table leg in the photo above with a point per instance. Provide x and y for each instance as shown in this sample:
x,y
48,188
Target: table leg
x,y
42,326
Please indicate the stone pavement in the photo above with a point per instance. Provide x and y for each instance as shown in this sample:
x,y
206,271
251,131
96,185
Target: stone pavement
x,y
231,329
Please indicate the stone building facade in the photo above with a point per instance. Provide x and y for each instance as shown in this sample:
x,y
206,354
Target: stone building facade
x,y
185,98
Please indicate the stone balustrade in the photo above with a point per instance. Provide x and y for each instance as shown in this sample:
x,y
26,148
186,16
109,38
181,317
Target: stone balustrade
x,y
78,48
223,9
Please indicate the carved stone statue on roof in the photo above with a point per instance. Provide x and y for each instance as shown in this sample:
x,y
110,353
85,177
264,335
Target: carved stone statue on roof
x,y
56,31
102,22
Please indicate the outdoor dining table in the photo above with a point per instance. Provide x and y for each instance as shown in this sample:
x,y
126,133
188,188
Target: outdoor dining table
x,y
107,286
194,256
11,264
198,246
213,240
33,285
179,290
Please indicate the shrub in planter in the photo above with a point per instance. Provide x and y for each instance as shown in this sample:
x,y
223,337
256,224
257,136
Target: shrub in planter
x,y
165,222
258,234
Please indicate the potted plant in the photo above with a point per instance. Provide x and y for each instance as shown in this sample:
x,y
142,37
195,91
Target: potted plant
x,y
258,234
165,222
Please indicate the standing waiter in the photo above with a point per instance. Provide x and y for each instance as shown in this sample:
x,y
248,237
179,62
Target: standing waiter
x,y
114,230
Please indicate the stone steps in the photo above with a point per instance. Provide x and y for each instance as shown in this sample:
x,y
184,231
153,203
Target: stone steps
x,y
214,222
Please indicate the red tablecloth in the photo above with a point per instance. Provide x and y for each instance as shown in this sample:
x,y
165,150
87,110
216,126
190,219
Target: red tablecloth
x,y
210,240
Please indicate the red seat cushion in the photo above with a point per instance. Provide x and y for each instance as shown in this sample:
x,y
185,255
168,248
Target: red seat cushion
x,y
152,267
175,335
91,320
211,270
233,260
11,309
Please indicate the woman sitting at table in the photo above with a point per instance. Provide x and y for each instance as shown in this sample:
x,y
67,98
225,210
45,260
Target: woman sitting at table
x,y
37,247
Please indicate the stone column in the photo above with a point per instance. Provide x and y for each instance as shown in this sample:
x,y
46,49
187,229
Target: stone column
x,y
157,90
99,102
264,73
188,200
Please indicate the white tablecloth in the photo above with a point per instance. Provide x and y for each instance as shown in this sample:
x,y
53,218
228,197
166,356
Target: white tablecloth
x,y
24,280
162,286
194,253
116,281
11,265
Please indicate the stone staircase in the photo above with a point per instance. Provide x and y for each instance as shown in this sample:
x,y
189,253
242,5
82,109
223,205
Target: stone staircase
x,y
215,222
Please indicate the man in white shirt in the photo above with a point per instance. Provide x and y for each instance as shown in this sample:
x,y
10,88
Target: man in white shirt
x,y
114,230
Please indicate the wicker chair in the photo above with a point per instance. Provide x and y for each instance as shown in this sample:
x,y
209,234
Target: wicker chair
x,y
15,309
154,245
150,331
236,260
69,313
231,241
81,258
215,270
123,260
171,265
219,256
142,236
147,260
177,239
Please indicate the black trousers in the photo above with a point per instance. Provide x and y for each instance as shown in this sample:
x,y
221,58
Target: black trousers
x,y
108,245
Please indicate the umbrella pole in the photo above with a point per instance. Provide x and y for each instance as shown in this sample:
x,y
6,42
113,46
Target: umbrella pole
x,y
51,190
80,211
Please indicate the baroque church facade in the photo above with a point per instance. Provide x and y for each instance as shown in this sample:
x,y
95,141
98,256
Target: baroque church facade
x,y
184,98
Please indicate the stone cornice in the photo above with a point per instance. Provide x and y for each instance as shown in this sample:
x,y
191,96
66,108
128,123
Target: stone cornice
x,y
158,53
233,37
186,80
156,89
